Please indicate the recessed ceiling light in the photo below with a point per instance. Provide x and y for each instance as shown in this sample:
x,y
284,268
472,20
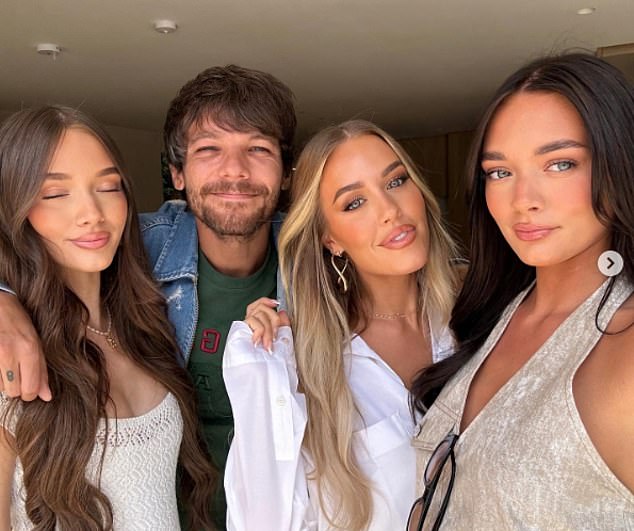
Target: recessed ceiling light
x,y
586,10
165,26
49,49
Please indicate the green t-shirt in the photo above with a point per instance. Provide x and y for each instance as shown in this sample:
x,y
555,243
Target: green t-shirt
x,y
221,300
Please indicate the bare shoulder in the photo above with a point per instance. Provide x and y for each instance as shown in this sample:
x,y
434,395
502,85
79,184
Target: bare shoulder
x,y
619,337
608,372
604,394
616,347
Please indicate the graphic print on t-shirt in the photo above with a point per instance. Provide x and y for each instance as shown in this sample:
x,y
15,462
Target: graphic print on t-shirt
x,y
210,340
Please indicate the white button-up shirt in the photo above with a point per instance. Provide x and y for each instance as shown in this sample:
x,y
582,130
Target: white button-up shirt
x,y
266,474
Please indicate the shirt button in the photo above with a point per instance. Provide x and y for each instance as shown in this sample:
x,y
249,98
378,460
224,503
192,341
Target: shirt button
x,y
281,401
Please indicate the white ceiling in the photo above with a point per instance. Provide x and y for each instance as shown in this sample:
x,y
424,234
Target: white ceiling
x,y
417,67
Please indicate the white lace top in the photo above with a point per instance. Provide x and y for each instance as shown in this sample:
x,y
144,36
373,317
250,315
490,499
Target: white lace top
x,y
139,470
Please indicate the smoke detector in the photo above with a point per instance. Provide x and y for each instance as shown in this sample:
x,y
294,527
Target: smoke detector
x,y
165,26
52,50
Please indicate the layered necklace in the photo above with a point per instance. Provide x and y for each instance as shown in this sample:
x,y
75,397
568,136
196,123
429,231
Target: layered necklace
x,y
107,333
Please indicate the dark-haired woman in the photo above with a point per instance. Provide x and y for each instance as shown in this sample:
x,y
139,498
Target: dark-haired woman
x,y
534,428
103,454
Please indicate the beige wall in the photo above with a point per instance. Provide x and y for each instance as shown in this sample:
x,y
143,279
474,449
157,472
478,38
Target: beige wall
x,y
141,151
442,159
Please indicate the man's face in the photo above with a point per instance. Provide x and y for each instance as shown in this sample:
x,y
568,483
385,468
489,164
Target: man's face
x,y
232,179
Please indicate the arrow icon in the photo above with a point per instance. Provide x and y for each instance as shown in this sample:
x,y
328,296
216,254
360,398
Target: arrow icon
x,y
610,263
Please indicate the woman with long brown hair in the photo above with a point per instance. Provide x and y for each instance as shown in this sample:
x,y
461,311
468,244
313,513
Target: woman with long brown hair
x,y
103,453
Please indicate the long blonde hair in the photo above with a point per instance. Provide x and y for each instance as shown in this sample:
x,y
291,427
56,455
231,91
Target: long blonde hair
x,y
322,318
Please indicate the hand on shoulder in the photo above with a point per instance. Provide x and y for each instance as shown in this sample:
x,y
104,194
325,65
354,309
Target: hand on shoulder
x,y
22,365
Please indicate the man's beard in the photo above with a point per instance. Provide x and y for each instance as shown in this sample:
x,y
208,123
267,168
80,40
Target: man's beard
x,y
229,219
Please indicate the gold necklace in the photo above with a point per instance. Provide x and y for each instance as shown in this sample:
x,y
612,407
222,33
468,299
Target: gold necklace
x,y
390,316
107,334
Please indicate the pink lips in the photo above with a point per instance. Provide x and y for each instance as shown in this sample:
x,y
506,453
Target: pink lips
x,y
400,237
95,240
528,232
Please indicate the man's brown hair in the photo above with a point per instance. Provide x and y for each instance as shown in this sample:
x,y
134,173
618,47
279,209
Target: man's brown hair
x,y
234,98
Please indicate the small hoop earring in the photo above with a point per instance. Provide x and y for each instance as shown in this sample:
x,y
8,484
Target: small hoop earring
x,y
340,272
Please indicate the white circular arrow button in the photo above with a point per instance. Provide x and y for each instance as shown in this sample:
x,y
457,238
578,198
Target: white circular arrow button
x,y
610,263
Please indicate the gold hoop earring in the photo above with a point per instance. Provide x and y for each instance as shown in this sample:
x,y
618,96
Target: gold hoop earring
x,y
340,272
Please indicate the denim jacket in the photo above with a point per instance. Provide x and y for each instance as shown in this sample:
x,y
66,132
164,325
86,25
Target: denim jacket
x,y
171,241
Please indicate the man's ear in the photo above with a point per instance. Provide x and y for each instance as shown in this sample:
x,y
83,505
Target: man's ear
x,y
177,178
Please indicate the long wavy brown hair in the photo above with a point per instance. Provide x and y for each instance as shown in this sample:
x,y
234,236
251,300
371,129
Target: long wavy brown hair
x,y
55,440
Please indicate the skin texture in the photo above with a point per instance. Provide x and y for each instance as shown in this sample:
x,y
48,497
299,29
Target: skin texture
x,y
537,190
232,180
367,201
21,352
81,209
540,198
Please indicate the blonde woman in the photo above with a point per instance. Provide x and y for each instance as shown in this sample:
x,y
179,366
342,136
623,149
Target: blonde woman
x,y
323,429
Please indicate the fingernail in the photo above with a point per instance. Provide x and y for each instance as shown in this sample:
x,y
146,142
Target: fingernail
x,y
277,302
270,351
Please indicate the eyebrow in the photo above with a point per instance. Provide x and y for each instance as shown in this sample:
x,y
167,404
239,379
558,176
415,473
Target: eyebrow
x,y
101,173
391,167
212,135
542,150
559,144
357,184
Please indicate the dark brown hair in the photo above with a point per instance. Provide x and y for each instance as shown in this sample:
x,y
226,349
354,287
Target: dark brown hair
x,y
234,98
55,440
605,102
